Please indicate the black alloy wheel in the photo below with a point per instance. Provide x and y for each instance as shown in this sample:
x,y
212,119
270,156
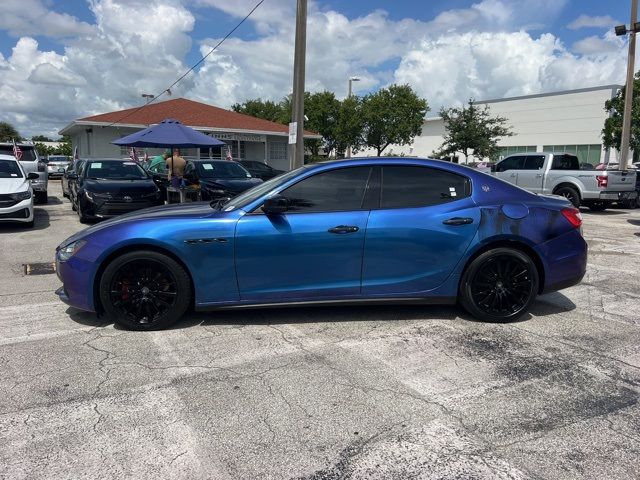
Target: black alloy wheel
x,y
500,285
145,290
570,194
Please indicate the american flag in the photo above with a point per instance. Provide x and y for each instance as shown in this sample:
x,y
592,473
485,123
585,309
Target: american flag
x,y
16,150
133,155
229,156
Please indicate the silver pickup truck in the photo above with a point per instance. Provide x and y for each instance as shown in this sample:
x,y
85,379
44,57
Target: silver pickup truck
x,y
31,163
560,174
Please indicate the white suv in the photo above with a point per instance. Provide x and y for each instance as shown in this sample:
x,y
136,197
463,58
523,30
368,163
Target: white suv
x,y
16,194
31,163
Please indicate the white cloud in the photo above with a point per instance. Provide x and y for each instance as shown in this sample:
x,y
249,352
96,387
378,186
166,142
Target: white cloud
x,y
586,21
137,46
31,17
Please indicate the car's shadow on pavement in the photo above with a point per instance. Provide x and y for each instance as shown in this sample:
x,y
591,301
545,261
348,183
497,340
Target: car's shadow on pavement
x,y
41,221
603,213
548,304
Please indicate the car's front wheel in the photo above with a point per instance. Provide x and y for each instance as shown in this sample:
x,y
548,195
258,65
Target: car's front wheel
x,y
145,290
499,285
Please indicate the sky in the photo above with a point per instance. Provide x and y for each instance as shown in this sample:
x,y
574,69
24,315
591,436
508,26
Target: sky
x,y
65,59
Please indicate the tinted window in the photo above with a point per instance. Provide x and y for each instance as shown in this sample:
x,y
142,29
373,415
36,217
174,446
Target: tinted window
x,y
534,162
510,163
337,190
114,170
565,162
420,186
9,169
28,153
223,169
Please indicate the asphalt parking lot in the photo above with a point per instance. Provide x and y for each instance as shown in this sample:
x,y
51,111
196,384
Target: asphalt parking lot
x,y
325,393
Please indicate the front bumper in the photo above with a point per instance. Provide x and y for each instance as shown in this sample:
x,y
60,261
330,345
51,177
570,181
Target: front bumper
x,y
616,196
20,212
76,275
100,208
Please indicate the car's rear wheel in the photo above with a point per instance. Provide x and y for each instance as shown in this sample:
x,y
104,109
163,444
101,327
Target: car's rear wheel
x,y
499,285
570,194
145,290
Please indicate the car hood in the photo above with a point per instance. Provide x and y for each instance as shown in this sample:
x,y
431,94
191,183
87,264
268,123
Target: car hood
x,y
234,185
121,187
178,211
13,185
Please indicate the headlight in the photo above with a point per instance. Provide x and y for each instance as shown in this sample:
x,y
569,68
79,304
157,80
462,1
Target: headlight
x,y
21,195
68,251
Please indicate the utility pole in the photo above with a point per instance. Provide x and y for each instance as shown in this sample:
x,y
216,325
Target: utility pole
x,y
351,80
296,127
628,94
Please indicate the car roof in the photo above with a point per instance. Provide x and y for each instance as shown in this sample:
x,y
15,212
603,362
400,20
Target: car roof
x,y
7,157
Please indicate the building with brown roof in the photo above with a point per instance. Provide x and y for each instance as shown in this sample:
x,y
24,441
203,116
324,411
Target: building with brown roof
x,y
249,138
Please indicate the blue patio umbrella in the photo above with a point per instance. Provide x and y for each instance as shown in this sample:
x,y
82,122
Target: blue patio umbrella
x,y
169,133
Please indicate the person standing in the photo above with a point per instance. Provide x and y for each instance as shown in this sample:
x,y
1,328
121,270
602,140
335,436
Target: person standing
x,y
159,160
176,165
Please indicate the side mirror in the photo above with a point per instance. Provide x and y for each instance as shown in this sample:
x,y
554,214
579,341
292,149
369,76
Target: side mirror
x,y
32,176
276,205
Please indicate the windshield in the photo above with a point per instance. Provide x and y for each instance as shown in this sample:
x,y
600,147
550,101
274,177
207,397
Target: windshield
x,y
115,171
223,169
9,169
256,192
28,152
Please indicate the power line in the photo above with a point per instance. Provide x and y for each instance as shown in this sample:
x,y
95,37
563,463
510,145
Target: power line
x,y
168,89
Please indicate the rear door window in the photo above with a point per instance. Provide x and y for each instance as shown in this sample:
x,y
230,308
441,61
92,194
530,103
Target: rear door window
x,y
28,152
407,186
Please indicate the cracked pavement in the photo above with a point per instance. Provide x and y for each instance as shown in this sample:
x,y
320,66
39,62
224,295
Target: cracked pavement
x,y
325,393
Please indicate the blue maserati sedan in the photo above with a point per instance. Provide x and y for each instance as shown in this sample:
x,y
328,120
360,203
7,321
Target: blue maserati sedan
x,y
370,230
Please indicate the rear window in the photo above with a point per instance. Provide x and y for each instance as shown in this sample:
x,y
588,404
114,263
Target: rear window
x,y
28,152
565,162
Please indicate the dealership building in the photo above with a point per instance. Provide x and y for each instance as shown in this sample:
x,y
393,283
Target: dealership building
x,y
567,121
248,138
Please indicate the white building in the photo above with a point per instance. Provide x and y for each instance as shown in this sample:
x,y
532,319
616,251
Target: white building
x,y
249,138
567,121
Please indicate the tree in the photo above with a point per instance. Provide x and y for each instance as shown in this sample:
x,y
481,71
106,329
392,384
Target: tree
x,y
8,132
41,138
322,110
349,125
265,109
65,147
392,115
472,129
612,131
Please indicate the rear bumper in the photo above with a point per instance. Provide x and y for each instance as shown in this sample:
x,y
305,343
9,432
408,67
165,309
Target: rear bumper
x,y
39,185
615,196
564,259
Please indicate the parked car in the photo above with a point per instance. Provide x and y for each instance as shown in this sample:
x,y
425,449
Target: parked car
x,y
383,230
219,178
16,192
31,163
105,188
56,165
260,169
72,168
159,173
560,174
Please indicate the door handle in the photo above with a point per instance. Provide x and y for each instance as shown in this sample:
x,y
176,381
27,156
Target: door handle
x,y
342,229
458,221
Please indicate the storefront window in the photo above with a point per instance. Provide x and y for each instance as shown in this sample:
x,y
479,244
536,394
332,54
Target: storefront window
x,y
585,153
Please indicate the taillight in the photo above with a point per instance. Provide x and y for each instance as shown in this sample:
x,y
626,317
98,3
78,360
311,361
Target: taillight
x,y
603,180
573,215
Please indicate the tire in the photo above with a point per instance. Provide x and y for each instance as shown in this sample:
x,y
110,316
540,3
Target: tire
x,y
81,216
599,206
125,300
570,194
42,197
73,205
488,289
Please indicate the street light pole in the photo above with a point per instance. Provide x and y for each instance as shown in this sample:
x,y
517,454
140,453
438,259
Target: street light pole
x,y
296,142
628,94
351,80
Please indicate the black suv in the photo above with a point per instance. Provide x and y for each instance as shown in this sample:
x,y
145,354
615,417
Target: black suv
x,y
260,170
